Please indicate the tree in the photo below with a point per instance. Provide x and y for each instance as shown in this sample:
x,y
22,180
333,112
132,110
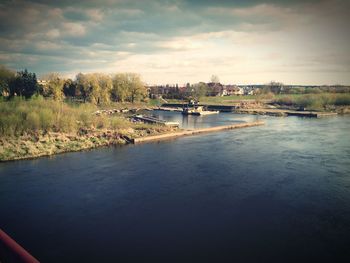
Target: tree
x,y
54,86
214,79
94,87
105,86
199,90
24,84
120,89
6,77
137,88
128,86
82,85
274,87
70,88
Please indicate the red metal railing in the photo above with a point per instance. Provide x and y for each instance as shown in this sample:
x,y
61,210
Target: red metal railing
x,y
13,252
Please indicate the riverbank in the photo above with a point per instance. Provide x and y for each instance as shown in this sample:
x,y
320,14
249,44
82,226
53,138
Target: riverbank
x,y
276,105
51,143
41,127
260,108
30,146
285,112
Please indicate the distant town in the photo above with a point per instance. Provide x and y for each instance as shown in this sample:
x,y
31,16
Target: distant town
x,y
217,89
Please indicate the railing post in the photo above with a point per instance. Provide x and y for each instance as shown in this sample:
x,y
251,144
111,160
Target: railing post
x,y
13,252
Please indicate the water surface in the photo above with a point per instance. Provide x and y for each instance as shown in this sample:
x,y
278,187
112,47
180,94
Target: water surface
x,y
273,193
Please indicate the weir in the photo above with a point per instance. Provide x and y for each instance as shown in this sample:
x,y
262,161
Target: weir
x,y
194,132
150,119
259,111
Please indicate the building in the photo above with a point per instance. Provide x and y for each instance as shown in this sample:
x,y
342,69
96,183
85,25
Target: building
x,y
215,89
233,90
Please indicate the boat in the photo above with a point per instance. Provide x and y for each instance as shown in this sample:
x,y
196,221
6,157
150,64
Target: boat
x,y
197,111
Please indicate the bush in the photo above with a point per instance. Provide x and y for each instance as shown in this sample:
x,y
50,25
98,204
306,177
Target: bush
x,y
342,100
118,123
46,119
33,121
316,101
287,100
19,116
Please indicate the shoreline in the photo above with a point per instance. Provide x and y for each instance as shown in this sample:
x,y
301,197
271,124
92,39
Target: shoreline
x,y
31,146
35,146
263,109
44,145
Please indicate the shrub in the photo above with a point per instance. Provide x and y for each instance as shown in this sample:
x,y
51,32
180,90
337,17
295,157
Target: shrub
x,y
117,123
19,116
287,100
342,99
33,121
101,122
315,101
46,119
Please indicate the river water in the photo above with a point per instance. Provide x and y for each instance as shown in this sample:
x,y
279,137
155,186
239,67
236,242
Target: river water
x,y
273,193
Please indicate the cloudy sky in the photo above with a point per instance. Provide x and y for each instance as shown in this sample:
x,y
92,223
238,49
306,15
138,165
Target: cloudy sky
x,y
179,41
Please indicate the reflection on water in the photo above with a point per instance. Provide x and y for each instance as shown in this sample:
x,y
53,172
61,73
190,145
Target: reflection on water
x,y
273,193
197,122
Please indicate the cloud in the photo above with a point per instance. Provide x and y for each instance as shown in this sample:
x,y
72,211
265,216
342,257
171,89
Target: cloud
x,y
180,40
53,33
74,29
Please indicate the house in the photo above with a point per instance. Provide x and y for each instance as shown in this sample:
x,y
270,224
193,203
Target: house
x,y
42,82
215,89
233,90
248,90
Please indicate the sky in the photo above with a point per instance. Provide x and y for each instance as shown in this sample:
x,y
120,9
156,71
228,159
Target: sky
x,y
179,41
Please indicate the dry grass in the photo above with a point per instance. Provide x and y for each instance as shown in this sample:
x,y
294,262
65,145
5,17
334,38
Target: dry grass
x,y
39,127
316,101
19,117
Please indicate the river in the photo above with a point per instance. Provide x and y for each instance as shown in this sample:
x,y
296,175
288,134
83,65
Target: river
x,y
273,193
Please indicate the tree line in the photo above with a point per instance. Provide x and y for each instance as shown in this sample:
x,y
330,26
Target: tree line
x,y
97,88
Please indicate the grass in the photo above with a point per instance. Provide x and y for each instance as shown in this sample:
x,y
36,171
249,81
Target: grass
x,y
39,127
315,101
312,101
19,116
234,98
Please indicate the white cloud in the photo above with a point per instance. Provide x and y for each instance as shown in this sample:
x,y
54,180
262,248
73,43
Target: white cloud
x,y
53,33
74,29
182,43
47,45
95,14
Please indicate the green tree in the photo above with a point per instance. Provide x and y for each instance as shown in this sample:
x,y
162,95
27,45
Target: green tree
x,y
199,90
128,87
121,87
70,88
137,88
6,77
105,87
94,87
24,84
54,86
82,85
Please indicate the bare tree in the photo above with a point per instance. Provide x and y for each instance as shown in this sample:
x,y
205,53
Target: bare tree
x,y
214,79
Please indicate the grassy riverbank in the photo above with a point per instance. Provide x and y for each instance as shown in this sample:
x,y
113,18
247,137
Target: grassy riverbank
x,y
39,127
339,102
323,101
